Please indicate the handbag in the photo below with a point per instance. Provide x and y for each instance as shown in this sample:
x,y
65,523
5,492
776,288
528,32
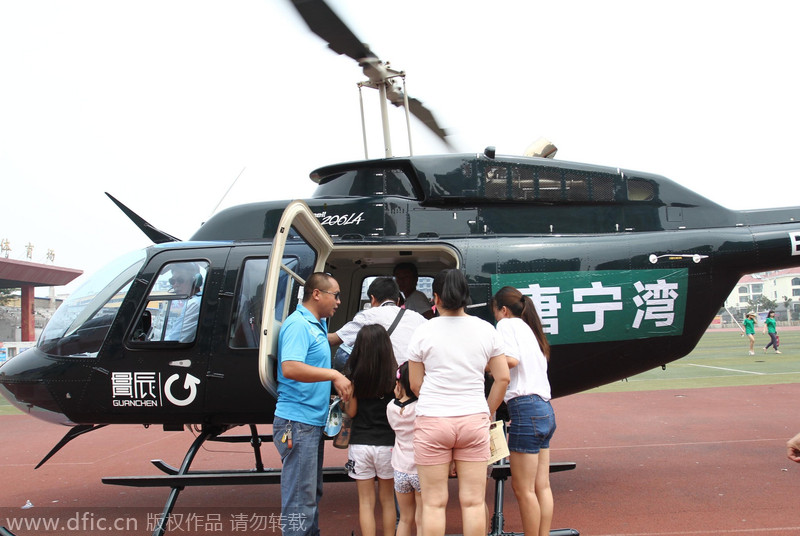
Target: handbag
x,y
497,442
342,439
333,424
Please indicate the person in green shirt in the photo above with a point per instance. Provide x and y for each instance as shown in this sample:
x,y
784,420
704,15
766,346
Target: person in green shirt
x,y
770,329
750,330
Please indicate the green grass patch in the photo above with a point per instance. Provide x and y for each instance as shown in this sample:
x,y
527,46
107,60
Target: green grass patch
x,y
721,359
7,409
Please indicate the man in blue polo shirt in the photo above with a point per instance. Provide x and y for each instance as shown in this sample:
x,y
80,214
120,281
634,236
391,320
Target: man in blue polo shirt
x,y
304,387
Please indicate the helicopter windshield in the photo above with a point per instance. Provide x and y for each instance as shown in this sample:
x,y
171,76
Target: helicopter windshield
x,y
79,326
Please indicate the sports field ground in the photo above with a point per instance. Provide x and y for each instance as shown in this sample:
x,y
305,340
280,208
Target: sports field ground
x,y
721,359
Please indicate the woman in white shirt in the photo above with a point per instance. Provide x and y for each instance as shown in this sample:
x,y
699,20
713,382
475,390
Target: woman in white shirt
x,y
447,359
528,398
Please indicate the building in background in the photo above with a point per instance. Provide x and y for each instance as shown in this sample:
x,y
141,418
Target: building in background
x,y
782,287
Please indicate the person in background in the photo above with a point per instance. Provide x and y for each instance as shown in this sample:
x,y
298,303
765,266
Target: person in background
x,y
750,330
401,413
304,390
533,421
373,370
407,276
793,449
447,359
771,329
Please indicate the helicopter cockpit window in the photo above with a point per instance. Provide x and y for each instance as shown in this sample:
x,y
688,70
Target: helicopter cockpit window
x,y
246,324
366,182
79,327
173,305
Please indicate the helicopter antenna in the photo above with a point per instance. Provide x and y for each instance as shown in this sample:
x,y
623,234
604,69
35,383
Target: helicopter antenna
x,y
156,235
227,191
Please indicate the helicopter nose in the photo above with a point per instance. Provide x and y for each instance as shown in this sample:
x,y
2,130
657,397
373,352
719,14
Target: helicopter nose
x,y
23,382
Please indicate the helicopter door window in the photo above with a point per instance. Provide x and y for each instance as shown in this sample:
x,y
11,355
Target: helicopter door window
x,y
246,324
173,305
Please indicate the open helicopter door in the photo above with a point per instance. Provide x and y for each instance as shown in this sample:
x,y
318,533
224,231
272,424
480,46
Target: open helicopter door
x,y
298,217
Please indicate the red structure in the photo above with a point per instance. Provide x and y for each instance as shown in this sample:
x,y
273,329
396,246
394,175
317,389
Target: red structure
x,y
27,276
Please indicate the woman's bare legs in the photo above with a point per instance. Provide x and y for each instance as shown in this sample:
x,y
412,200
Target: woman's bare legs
x,y
530,479
433,479
471,496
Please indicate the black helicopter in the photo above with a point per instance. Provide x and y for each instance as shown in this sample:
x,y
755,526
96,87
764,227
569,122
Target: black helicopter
x,y
627,269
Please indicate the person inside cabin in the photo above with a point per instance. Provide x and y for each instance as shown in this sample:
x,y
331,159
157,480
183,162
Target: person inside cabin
x,y
406,275
187,283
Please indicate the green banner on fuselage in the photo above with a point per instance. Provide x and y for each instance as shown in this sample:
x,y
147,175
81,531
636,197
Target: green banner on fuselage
x,y
604,305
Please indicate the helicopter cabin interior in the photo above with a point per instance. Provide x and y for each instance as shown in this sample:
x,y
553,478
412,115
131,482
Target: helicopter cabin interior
x,y
356,267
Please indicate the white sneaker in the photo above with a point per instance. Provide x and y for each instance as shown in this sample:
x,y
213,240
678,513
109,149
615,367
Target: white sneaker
x,y
752,352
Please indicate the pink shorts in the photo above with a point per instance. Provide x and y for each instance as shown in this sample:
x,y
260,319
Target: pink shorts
x,y
440,440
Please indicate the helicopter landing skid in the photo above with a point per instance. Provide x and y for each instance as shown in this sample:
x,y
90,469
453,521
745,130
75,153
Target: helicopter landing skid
x,y
179,478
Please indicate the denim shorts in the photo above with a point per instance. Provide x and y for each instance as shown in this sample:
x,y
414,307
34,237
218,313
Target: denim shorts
x,y
532,424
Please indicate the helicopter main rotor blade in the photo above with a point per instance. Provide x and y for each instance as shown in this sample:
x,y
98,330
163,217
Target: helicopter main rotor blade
x,y
321,19
426,116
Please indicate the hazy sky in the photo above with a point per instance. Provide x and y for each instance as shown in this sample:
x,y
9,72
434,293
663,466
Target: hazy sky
x,y
163,103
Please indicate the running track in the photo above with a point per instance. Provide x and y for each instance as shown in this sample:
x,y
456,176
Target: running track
x,y
658,463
